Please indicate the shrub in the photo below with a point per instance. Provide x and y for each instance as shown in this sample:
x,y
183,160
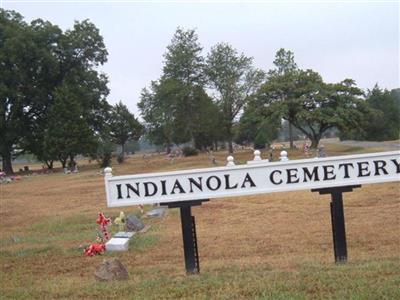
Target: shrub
x,y
189,151
120,158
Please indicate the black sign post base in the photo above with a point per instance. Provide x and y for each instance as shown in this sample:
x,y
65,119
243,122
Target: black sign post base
x,y
337,217
191,253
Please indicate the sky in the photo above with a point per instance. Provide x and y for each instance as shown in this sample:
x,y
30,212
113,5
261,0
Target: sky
x,y
338,39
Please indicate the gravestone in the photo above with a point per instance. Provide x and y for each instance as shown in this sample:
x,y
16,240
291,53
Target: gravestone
x,y
157,212
117,244
133,223
111,270
321,151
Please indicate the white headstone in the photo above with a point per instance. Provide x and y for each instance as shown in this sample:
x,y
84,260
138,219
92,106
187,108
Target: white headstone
x,y
117,244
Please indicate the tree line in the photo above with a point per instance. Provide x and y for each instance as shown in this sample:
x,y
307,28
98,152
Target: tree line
x,y
54,99
224,97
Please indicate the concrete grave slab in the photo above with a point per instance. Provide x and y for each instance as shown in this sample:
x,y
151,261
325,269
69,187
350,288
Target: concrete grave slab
x,y
117,244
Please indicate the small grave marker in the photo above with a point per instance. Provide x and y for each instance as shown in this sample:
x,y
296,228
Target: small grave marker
x,y
111,270
117,244
133,223
157,212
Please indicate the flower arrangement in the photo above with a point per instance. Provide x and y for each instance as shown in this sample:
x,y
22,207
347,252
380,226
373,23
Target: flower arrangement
x,y
99,247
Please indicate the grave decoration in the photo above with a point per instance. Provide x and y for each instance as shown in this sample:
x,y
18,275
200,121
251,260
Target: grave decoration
x,y
99,247
96,248
187,188
120,221
103,222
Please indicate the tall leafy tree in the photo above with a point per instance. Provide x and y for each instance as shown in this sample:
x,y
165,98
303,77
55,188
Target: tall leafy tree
x,y
70,133
123,126
386,127
256,128
282,82
233,79
26,76
183,60
384,123
157,107
184,68
38,59
314,106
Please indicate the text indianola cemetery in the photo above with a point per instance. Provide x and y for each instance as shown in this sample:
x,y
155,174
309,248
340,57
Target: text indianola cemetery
x,y
333,175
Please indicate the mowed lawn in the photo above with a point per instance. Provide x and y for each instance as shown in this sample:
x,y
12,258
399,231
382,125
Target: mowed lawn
x,y
270,246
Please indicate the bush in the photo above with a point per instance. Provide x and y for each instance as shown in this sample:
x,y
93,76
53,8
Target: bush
x,y
189,151
120,158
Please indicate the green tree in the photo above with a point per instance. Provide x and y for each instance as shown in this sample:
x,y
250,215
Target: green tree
x,y
314,106
157,107
208,121
38,59
27,67
255,128
384,123
69,132
160,108
184,70
282,83
123,126
233,79
105,147
78,52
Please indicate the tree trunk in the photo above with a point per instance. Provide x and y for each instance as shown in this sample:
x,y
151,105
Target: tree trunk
x,y
193,142
230,146
123,150
168,148
121,156
72,162
7,163
315,141
63,161
49,164
291,135
229,136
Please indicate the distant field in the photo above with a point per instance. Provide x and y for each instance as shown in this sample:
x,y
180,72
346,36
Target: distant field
x,y
272,246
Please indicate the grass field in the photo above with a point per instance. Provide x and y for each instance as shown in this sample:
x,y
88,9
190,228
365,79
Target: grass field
x,y
271,246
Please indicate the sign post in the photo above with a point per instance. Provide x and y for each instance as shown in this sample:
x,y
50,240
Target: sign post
x,y
191,252
338,222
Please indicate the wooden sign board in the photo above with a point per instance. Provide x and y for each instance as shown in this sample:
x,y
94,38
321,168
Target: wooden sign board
x,y
252,179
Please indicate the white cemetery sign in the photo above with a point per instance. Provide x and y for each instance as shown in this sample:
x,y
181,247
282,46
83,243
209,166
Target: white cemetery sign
x,y
255,178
